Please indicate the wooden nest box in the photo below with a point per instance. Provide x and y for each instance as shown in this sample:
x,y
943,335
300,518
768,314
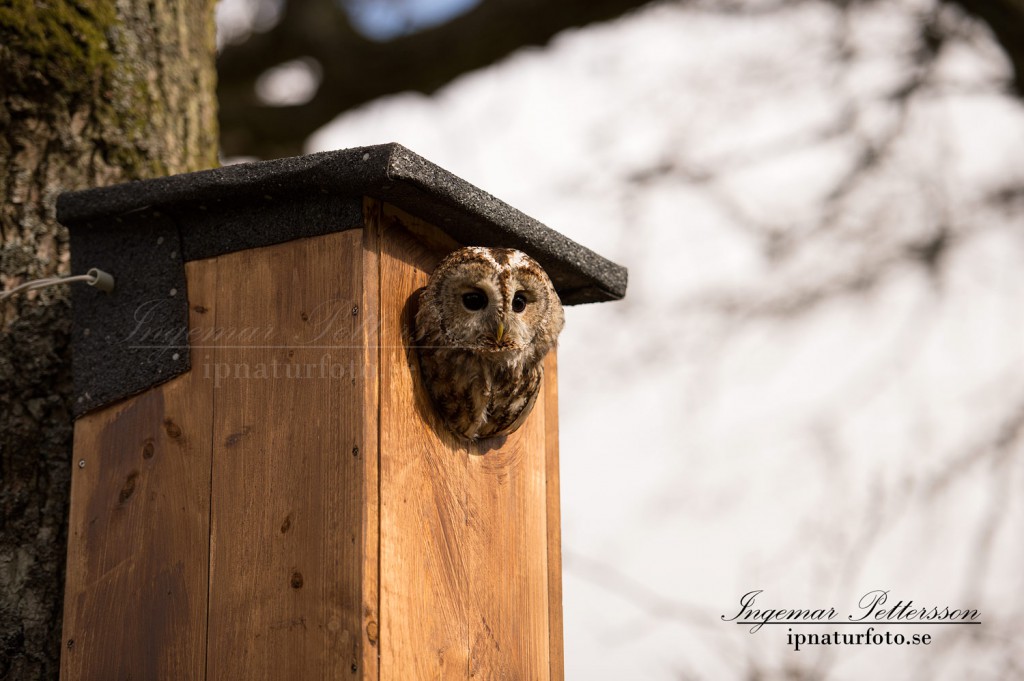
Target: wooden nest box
x,y
257,490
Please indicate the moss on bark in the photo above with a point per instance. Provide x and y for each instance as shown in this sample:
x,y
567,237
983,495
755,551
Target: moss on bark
x,y
66,41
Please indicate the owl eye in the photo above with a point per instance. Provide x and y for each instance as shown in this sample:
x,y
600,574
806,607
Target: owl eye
x,y
518,302
474,300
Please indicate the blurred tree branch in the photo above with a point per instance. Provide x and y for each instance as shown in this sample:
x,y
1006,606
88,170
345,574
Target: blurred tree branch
x,y
357,69
1006,20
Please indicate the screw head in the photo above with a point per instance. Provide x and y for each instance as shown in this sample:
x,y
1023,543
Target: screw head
x,y
81,463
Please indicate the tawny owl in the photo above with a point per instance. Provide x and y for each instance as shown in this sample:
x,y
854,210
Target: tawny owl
x,y
486,319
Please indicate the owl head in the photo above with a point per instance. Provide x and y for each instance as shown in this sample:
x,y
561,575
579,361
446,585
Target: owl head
x,y
494,301
486,319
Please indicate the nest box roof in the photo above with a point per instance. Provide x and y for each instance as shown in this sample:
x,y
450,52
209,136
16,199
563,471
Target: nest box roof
x,y
143,233
312,185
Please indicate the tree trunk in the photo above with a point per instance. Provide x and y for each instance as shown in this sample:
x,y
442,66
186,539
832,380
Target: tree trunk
x,y
91,93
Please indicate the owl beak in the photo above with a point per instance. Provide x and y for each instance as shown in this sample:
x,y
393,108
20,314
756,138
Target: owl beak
x,y
501,332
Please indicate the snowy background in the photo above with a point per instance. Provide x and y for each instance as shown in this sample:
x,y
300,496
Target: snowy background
x,y
815,385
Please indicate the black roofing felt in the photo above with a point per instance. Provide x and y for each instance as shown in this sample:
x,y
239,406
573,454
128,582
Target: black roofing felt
x,y
389,172
136,336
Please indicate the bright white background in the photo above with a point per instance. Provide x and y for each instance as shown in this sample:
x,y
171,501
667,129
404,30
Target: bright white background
x,y
815,385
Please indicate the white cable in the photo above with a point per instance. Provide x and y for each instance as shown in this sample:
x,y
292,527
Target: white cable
x,y
95,277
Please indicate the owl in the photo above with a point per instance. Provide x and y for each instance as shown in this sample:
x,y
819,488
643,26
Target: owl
x,y
485,321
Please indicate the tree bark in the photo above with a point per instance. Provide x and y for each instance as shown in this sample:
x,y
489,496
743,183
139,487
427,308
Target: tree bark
x,y
92,92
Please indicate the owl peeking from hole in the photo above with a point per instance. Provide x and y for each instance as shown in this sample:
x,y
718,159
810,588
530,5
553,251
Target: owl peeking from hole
x,y
485,321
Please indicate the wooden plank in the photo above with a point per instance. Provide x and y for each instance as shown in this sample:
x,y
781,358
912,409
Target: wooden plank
x,y
138,542
287,479
370,452
463,529
422,507
508,547
554,519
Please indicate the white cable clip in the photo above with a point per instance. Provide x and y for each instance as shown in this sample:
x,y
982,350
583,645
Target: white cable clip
x,y
95,277
101,280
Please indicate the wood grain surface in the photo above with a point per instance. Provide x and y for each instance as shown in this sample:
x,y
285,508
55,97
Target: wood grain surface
x,y
464,528
292,508
370,452
217,528
554,518
287,487
138,536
